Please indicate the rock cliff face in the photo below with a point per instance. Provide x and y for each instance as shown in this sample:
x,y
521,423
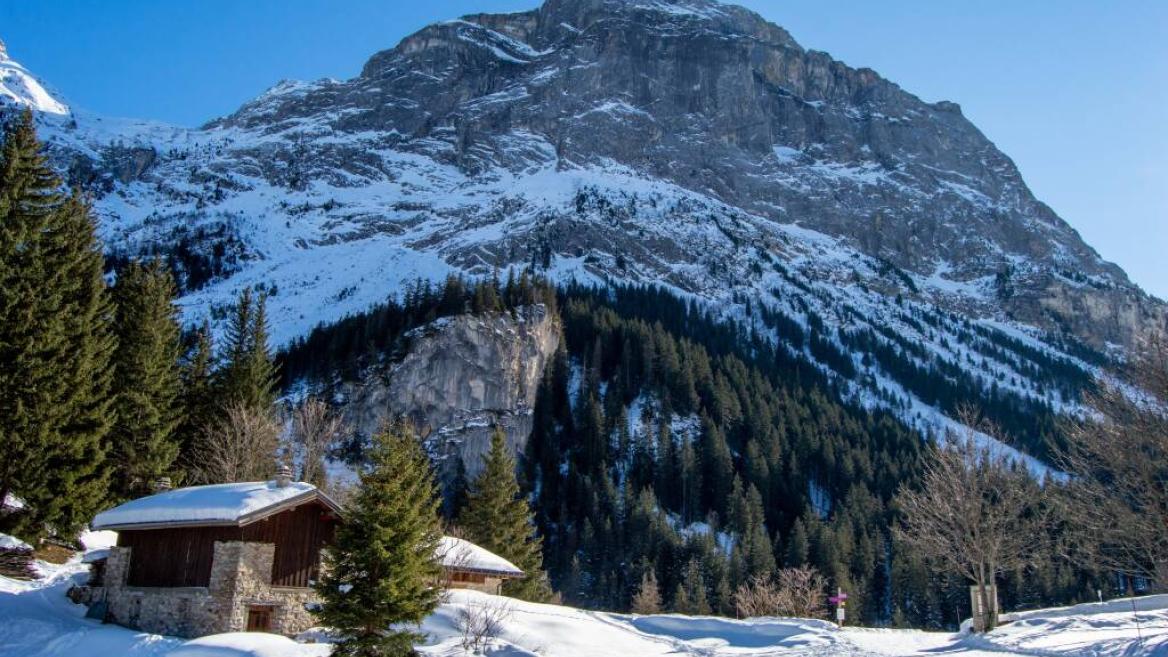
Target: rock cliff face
x,y
461,376
684,143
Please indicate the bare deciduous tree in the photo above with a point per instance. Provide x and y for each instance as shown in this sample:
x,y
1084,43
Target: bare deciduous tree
x,y
1117,498
315,428
798,592
453,556
240,446
482,620
647,600
977,512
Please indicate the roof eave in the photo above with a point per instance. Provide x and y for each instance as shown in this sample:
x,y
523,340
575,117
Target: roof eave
x,y
242,521
123,526
306,496
506,574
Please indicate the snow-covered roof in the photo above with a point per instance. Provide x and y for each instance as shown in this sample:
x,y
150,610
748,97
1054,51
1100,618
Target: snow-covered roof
x,y
93,556
95,540
217,504
12,502
457,554
12,543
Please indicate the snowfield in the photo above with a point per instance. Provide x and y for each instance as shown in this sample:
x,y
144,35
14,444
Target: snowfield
x,y
37,620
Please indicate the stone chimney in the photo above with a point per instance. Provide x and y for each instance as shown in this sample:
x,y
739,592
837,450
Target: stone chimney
x,y
162,484
283,476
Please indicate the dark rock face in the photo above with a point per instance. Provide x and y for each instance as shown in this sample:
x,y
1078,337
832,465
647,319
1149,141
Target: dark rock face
x,y
714,99
683,142
459,378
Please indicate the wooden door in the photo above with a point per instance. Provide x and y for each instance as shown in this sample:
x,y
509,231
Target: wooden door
x,y
259,618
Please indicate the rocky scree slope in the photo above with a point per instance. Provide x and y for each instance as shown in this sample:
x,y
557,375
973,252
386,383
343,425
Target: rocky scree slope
x,y
687,143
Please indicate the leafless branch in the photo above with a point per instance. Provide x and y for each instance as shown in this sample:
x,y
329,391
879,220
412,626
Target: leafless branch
x,y
240,446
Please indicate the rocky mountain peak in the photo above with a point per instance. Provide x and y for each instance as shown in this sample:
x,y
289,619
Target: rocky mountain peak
x,y
689,144
21,89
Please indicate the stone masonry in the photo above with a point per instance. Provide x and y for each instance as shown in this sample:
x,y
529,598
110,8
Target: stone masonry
x,y
241,575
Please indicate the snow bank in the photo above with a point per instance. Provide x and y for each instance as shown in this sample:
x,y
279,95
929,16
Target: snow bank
x,y
37,620
546,630
1118,605
714,632
247,644
457,553
12,543
218,503
1110,629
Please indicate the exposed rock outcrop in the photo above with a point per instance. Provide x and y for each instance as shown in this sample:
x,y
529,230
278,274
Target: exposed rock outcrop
x,y
704,96
683,143
459,377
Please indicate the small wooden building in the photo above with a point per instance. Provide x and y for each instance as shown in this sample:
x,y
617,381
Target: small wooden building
x,y
468,566
236,557
221,558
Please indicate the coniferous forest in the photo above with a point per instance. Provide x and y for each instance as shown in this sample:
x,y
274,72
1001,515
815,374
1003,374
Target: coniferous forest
x,y
676,457
587,329
673,446
101,394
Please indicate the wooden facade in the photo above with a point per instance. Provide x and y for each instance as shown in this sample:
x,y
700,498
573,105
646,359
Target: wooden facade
x,y
182,556
173,557
298,534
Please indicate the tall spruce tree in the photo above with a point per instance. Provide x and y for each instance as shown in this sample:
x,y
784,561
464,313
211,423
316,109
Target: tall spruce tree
x,y
499,519
199,397
248,376
383,567
262,365
55,345
147,381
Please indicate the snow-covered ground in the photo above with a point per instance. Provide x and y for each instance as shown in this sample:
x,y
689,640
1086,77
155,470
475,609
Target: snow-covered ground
x,y
36,620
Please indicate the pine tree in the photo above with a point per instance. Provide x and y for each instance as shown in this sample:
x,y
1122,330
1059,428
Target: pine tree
x,y
798,547
692,599
147,379
233,377
647,600
455,497
499,519
262,366
55,345
249,375
757,552
382,568
199,399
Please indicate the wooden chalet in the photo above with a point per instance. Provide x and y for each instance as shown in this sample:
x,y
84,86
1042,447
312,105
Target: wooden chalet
x,y
236,557
468,566
219,558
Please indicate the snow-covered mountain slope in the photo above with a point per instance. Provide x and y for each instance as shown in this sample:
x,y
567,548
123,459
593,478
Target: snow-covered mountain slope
x,y
20,88
39,621
686,143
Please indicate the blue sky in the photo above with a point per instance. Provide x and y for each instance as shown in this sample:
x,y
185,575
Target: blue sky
x,y
1076,91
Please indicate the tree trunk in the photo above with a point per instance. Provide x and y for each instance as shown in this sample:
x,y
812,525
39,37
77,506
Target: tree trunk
x,y
992,610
